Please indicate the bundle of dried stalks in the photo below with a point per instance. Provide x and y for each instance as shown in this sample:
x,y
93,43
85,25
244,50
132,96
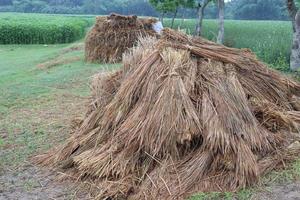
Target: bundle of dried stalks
x,y
113,35
183,115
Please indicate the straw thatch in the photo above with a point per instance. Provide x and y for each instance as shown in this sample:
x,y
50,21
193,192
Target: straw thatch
x,y
111,36
183,115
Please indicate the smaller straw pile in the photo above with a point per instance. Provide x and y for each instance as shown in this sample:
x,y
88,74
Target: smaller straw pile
x,y
182,115
111,36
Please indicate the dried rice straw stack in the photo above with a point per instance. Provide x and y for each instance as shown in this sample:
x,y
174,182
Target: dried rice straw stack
x,y
111,36
183,115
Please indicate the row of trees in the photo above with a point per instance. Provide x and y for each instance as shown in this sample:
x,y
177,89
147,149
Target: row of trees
x,y
139,7
172,6
242,8
235,9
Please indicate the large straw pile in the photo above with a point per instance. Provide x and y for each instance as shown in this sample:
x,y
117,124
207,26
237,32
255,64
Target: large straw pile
x,y
111,36
183,115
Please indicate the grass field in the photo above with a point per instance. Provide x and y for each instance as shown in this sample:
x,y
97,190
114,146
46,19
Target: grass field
x,y
43,87
270,40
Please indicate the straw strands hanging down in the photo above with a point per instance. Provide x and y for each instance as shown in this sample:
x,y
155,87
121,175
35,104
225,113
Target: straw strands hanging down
x,y
182,115
112,35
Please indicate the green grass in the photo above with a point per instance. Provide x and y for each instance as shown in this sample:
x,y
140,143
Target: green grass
x,y
36,104
270,40
19,28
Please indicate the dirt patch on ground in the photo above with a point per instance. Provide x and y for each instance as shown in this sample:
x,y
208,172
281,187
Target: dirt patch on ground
x,y
34,129
290,191
29,182
58,61
61,58
76,47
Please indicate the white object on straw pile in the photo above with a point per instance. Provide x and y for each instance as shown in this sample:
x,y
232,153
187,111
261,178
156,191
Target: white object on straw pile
x,y
157,27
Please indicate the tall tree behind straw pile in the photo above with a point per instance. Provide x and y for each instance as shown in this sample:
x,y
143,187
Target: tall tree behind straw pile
x,y
171,6
201,5
294,13
221,10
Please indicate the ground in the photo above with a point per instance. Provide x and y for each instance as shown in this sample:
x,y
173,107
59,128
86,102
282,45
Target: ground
x,y
279,192
44,87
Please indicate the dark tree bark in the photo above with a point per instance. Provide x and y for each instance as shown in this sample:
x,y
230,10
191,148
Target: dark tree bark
x,y
182,18
174,16
295,53
292,9
221,6
161,18
201,9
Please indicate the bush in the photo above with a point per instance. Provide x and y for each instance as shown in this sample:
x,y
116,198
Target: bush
x,y
40,29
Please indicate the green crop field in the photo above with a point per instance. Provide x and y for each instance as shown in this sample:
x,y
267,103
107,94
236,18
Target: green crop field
x,y
16,28
270,40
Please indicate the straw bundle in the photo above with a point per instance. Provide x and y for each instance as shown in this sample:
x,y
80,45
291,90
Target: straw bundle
x,y
183,115
114,34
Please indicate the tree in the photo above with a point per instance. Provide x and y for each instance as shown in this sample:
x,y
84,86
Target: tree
x,y
258,9
171,6
292,10
5,2
163,7
221,8
294,13
29,5
175,5
201,7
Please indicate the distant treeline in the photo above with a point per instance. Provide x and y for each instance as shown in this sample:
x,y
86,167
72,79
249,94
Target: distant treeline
x,y
235,9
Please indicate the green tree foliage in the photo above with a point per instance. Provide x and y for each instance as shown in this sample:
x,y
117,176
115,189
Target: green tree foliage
x,y
258,9
172,7
139,7
5,2
235,9
297,3
29,5
166,6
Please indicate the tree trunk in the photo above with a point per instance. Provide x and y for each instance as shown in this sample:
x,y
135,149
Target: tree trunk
x,y
292,9
174,16
182,18
161,18
201,9
221,5
295,53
